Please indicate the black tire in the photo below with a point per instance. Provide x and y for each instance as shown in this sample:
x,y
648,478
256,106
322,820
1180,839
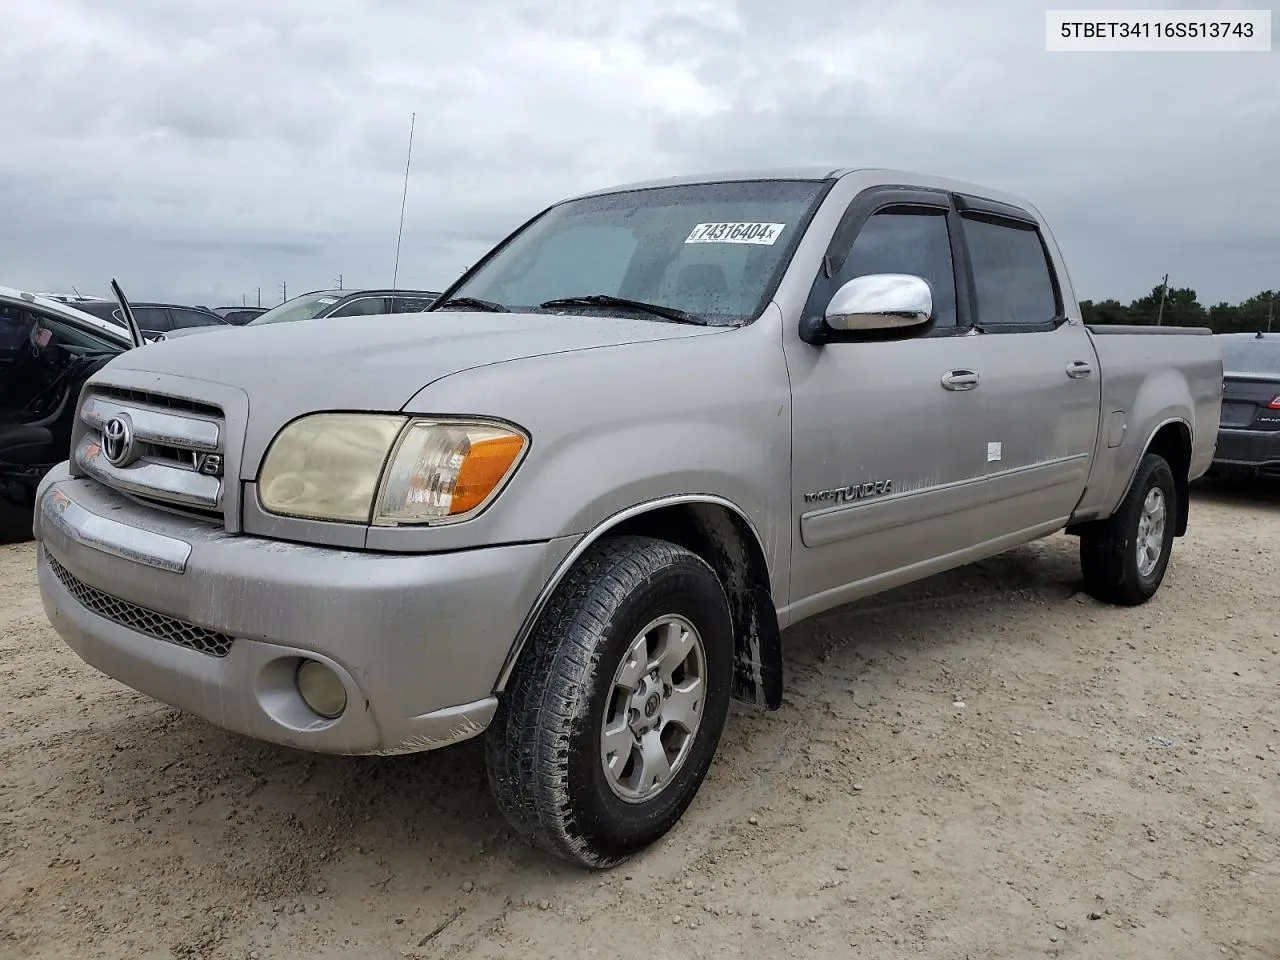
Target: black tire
x,y
543,748
1109,548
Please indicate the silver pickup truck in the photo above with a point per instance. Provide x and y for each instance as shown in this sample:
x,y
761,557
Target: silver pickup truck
x,y
574,504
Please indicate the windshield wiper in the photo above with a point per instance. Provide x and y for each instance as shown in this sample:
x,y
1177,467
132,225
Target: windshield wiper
x,y
639,306
474,303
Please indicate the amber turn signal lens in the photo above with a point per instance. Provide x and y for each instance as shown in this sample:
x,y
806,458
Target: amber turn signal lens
x,y
485,465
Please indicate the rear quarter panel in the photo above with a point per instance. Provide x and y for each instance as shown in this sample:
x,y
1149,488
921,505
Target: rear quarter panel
x,y
1151,376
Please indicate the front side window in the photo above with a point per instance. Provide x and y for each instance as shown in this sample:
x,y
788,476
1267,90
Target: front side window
x,y
915,242
1011,275
15,329
715,250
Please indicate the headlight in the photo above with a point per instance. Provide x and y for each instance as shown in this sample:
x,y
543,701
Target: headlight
x,y
383,469
327,466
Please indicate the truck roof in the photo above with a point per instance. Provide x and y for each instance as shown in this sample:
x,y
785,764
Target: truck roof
x,y
823,172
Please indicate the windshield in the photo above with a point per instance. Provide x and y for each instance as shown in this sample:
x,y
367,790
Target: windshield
x,y
303,307
1252,357
713,250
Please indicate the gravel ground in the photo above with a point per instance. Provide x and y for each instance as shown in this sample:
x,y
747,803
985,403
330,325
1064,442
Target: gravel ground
x,y
987,764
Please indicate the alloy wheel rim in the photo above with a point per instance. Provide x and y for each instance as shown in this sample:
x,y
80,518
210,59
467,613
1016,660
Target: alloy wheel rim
x,y
1151,526
654,708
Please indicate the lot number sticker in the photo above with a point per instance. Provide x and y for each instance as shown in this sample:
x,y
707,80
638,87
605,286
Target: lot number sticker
x,y
763,233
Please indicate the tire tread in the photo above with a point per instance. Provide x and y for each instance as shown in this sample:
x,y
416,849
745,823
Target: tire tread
x,y
528,744
1106,545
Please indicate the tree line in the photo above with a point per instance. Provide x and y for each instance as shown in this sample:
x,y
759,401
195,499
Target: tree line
x,y
1182,309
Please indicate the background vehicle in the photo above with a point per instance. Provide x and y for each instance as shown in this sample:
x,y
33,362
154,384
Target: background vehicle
x,y
1249,438
340,303
347,303
47,351
576,506
159,318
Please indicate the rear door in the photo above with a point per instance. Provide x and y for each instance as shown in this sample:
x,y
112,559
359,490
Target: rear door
x,y
1040,377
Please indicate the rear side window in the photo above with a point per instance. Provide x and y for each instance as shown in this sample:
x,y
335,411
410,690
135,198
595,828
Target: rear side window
x,y
149,318
193,318
1011,274
409,304
363,307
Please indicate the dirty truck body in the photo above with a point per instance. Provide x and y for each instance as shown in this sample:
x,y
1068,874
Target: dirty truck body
x,y
579,526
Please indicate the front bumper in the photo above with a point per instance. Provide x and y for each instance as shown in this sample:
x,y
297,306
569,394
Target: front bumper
x,y
215,624
1254,451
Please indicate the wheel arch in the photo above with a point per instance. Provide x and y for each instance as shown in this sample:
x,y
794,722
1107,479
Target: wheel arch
x,y
1172,440
719,532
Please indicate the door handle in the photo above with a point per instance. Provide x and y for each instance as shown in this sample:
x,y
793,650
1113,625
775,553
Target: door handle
x,y
1078,368
960,380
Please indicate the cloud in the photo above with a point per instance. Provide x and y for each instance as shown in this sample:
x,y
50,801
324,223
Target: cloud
x,y
201,150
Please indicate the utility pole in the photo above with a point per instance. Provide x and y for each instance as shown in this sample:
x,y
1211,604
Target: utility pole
x,y
1271,312
284,290
339,281
259,296
1164,290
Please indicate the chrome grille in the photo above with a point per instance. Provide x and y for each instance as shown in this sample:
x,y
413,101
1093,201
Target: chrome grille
x,y
157,625
164,450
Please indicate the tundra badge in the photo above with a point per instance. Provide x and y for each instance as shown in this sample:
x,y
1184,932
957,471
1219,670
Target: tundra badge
x,y
857,491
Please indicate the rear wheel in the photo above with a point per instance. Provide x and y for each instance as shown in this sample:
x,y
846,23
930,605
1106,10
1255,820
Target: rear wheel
x,y
1124,557
615,710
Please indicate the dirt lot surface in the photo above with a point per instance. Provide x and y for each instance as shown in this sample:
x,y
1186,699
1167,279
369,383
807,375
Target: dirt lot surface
x,y
984,765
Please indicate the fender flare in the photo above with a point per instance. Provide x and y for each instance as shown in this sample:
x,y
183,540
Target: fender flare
x,y
587,540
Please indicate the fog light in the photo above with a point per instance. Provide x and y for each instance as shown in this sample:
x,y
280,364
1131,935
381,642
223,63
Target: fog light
x,y
321,689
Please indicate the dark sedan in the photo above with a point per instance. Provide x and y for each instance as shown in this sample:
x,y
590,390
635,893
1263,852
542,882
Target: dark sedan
x,y
1249,434
158,318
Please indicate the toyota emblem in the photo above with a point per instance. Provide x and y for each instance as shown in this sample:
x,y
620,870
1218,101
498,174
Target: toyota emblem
x,y
117,441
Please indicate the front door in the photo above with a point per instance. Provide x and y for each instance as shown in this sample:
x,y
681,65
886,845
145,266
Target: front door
x,y
889,436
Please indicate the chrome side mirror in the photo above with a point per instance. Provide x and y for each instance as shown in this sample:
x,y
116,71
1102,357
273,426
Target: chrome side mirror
x,y
881,301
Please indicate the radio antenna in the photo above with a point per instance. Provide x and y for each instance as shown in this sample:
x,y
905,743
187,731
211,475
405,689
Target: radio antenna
x,y
395,273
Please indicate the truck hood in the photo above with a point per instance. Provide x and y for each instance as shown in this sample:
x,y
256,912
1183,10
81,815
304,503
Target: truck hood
x,y
373,363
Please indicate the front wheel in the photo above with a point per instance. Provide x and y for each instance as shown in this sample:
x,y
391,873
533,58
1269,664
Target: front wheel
x,y
1124,557
615,710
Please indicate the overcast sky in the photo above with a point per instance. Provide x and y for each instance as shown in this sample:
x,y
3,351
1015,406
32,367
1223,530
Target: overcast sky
x,y
200,149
